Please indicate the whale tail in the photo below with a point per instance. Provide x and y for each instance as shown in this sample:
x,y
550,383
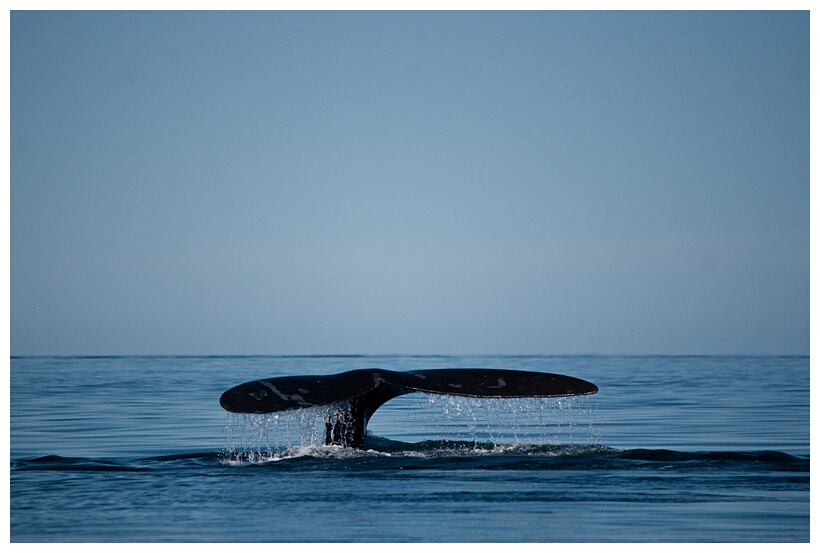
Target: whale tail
x,y
361,392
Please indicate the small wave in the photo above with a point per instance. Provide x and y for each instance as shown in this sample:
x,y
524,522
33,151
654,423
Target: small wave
x,y
58,463
774,458
459,456
441,455
385,448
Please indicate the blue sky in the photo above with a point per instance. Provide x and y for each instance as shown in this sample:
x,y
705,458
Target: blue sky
x,y
423,183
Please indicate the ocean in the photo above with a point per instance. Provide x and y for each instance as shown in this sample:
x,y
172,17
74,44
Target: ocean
x,y
671,449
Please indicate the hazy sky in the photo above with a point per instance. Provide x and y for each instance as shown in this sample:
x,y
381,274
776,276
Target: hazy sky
x,y
315,183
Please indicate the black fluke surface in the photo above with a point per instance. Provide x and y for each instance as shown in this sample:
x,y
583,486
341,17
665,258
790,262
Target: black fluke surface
x,y
365,390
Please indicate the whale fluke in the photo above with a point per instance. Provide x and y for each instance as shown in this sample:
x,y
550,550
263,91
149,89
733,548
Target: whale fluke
x,y
365,390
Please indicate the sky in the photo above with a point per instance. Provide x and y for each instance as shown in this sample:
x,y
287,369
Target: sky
x,y
228,183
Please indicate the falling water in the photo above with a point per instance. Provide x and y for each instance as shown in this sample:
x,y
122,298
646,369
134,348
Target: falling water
x,y
466,423
513,421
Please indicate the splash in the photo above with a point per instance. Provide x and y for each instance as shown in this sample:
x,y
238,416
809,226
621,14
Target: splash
x,y
419,425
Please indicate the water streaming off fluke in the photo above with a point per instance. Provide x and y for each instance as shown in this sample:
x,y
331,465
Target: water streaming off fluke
x,y
418,424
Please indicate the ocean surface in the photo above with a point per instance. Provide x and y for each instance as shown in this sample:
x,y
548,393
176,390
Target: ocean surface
x,y
671,449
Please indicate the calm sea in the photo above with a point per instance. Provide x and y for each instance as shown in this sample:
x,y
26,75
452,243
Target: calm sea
x,y
137,449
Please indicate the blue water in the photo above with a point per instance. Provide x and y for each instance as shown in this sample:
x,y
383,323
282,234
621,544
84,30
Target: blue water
x,y
124,449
